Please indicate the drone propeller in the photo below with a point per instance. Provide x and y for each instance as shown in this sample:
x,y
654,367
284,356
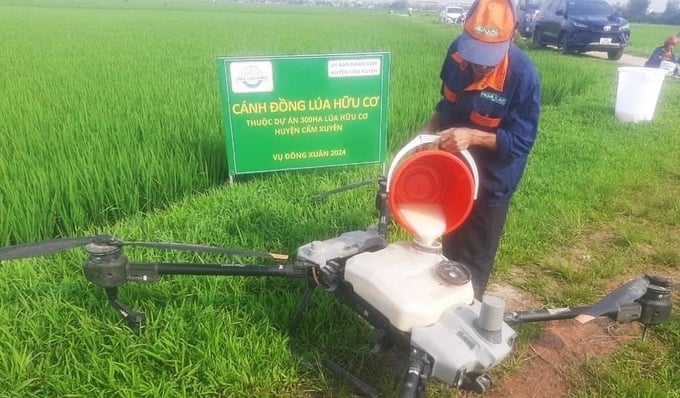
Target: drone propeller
x,y
205,249
344,188
624,294
47,247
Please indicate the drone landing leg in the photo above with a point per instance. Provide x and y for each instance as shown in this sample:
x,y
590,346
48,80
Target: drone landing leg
x,y
301,308
478,383
135,320
644,331
360,385
416,375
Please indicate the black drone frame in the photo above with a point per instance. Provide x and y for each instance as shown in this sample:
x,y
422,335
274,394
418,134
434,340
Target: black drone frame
x,y
646,300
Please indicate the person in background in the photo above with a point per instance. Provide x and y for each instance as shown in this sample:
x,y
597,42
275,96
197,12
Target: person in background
x,y
664,53
490,105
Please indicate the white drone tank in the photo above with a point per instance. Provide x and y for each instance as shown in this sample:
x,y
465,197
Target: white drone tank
x,y
412,283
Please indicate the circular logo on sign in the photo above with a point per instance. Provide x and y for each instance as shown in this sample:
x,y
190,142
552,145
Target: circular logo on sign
x,y
251,76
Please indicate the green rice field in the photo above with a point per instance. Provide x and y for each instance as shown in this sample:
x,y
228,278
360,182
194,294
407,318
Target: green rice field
x,y
646,37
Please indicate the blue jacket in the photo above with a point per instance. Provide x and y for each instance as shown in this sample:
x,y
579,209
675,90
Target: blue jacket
x,y
507,104
659,54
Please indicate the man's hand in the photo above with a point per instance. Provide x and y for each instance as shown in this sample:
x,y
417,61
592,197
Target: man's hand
x,y
456,139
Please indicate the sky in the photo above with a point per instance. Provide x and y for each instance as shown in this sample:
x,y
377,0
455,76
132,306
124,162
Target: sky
x,y
658,5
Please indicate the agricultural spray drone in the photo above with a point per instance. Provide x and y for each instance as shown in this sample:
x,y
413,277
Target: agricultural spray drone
x,y
416,300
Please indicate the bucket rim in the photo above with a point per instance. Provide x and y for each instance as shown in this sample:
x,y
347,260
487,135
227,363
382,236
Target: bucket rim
x,y
642,69
451,225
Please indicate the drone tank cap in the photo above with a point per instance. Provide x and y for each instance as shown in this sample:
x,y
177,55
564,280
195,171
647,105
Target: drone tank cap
x,y
431,194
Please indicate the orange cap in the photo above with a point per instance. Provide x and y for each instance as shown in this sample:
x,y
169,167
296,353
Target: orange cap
x,y
488,31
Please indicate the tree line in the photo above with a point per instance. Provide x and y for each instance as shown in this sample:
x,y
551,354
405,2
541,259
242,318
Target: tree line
x,y
639,11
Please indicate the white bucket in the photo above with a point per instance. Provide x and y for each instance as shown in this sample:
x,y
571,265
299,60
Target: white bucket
x,y
668,66
637,93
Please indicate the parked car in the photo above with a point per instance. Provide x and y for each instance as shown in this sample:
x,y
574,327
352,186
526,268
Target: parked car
x,y
582,25
452,15
527,12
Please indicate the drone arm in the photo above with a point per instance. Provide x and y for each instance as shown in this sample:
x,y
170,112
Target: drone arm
x,y
149,272
624,313
542,315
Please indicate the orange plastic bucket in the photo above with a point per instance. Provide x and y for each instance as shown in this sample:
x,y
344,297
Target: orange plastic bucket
x,y
432,178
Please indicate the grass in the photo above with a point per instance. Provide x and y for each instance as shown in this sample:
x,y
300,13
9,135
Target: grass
x,y
646,37
124,83
645,362
112,125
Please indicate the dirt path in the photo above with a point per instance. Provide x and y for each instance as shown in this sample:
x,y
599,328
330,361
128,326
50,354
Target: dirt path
x,y
626,59
548,360
562,345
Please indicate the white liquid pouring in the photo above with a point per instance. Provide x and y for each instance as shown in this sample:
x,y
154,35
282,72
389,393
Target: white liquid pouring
x,y
427,220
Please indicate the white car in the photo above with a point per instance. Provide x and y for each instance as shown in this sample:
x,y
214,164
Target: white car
x,y
452,14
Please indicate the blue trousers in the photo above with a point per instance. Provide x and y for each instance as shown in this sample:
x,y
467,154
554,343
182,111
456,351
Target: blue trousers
x,y
476,242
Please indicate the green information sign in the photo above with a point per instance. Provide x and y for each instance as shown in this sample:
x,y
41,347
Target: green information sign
x,y
305,111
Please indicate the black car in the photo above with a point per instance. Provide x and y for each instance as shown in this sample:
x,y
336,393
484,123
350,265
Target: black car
x,y
582,25
527,12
